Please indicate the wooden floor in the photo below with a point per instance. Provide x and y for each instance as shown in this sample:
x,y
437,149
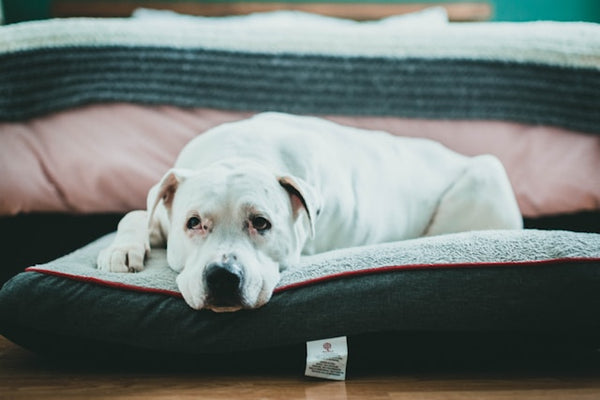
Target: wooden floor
x,y
23,375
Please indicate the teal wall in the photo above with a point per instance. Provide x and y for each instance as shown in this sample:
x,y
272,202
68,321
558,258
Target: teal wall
x,y
504,10
557,10
23,10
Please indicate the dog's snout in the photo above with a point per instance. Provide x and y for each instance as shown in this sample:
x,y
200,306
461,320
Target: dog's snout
x,y
224,282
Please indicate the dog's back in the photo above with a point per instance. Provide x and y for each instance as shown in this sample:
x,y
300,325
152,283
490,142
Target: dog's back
x,y
375,187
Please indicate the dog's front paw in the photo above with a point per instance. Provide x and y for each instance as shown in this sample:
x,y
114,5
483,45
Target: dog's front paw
x,y
122,257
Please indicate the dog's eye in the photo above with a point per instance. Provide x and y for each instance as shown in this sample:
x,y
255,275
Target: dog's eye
x,y
260,224
193,223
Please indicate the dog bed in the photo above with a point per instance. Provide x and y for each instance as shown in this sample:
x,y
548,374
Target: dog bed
x,y
88,102
512,284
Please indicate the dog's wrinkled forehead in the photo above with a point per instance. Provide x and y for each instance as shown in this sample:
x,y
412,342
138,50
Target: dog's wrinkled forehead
x,y
232,188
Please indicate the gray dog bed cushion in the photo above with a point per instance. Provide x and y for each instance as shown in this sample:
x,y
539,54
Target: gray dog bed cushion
x,y
509,283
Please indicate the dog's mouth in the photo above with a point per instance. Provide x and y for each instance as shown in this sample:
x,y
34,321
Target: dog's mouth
x,y
231,304
228,304
223,309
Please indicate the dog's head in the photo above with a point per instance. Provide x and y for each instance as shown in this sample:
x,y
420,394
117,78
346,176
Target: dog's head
x,y
232,228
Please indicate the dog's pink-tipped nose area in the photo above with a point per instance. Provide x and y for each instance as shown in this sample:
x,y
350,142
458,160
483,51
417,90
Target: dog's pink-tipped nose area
x,y
224,283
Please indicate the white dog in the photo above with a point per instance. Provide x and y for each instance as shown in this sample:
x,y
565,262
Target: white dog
x,y
245,199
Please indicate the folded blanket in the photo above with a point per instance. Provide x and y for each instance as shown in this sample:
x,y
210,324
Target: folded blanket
x,y
541,73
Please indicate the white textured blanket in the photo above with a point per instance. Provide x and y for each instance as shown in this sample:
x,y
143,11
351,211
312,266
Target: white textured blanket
x,y
568,44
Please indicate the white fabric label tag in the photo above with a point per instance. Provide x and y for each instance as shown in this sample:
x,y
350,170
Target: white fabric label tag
x,y
327,358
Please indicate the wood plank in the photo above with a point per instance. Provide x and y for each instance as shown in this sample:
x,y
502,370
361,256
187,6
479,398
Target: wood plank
x,y
23,375
459,11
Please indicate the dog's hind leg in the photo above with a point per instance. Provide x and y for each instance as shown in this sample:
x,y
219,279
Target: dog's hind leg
x,y
481,198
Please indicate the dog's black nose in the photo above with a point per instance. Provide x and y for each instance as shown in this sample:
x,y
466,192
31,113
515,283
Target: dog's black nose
x,y
224,282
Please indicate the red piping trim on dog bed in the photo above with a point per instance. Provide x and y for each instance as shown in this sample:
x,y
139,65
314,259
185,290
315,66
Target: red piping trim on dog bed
x,y
391,268
102,282
325,278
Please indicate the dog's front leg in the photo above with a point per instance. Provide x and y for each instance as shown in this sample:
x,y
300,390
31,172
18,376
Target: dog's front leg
x,y
130,246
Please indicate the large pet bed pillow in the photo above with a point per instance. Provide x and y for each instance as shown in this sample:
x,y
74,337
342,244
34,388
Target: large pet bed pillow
x,y
524,285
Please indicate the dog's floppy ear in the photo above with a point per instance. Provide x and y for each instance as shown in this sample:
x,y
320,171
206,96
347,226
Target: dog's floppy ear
x,y
302,196
165,190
